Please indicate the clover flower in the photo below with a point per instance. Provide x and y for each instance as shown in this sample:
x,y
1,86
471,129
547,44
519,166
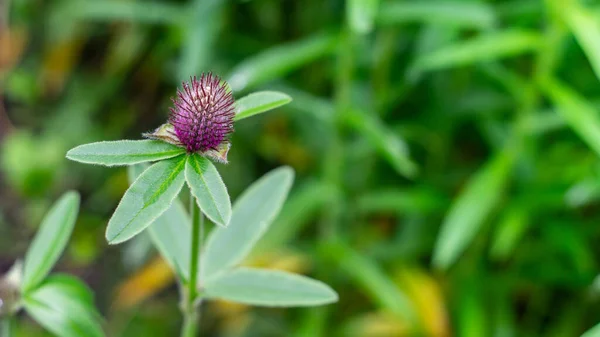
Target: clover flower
x,y
201,119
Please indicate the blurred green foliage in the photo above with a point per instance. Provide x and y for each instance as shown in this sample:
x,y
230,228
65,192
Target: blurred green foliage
x,y
447,154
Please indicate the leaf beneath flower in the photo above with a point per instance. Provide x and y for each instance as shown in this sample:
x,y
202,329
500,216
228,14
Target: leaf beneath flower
x,y
166,133
147,198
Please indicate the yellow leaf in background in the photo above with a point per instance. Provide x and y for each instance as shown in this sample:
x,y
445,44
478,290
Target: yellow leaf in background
x,y
426,295
235,317
377,324
59,60
145,283
286,260
12,43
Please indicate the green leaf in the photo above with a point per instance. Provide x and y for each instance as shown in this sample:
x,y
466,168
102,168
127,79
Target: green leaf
x,y
259,102
153,12
146,199
417,200
62,306
361,14
123,152
580,114
269,288
593,332
391,146
452,13
362,270
200,33
486,47
508,233
303,206
69,284
253,213
470,209
585,26
208,188
50,240
167,231
280,60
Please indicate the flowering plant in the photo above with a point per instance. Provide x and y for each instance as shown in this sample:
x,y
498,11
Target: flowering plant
x,y
197,132
61,303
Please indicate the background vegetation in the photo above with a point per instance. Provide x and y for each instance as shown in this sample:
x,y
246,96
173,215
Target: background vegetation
x,y
448,181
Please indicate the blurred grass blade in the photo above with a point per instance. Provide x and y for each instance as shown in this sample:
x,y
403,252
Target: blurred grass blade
x,y
508,233
580,114
471,313
390,145
154,12
371,278
208,188
585,25
123,152
402,201
488,47
259,102
58,306
361,15
299,210
280,60
50,240
253,213
593,332
269,288
166,231
320,109
470,209
453,13
200,32
146,199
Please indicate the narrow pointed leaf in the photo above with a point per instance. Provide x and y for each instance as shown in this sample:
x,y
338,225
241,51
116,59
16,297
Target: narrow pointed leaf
x,y
208,188
123,152
486,47
391,146
370,277
361,14
585,26
593,332
580,114
153,12
443,13
471,208
146,199
278,61
253,213
300,209
59,307
259,102
269,288
50,240
167,231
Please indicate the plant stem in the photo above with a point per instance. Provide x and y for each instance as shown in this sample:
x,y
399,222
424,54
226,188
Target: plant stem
x,y
192,306
6,326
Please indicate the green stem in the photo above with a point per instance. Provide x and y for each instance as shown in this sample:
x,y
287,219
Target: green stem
x,y
6,327
192,306
190,324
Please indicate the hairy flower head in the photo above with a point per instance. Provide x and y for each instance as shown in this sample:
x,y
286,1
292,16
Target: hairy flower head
x,y
202,117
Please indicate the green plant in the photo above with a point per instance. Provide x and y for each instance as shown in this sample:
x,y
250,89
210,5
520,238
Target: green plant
x,y
197,130
61,303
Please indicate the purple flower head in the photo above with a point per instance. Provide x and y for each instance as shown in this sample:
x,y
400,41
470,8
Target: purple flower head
x,y
203,115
